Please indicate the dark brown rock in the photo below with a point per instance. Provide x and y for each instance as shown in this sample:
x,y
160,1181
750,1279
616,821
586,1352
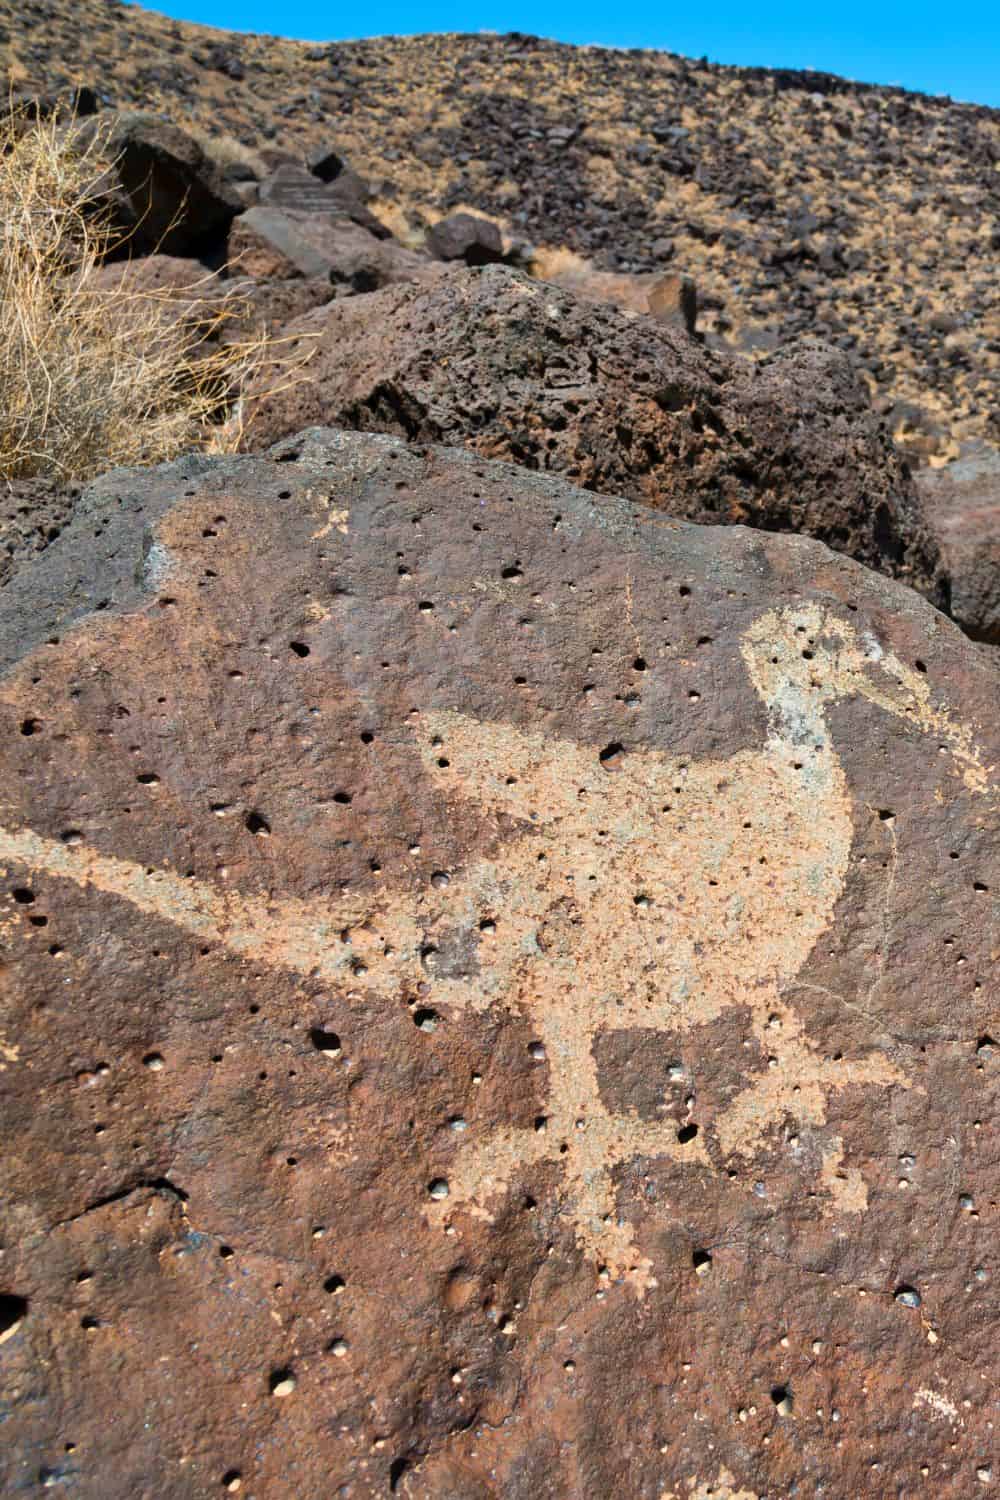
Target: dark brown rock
x,y
517,369
962,504
164,192
383,823
466,237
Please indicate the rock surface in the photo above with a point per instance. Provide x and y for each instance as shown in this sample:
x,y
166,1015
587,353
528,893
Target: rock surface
x,y
519,370
267,244
962,505
33,513
498,999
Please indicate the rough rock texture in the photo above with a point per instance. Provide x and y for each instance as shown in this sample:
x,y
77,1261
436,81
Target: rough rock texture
x,y
520,370
803,202
33,513
164,193
962,505
498,1000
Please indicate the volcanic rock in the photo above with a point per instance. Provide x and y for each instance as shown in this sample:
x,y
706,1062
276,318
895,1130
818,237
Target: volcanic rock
x,y
163,191
33,513
606,152
962,504
494,979
265,243
466,237
295,189
516,369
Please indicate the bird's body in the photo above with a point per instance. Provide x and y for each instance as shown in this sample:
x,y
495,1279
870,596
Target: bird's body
x,y
657,895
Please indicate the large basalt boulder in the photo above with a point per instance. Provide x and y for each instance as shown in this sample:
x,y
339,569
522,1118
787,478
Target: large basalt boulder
x,y
294,189
962,504
520,370
497,998
466,237
266,243
163,192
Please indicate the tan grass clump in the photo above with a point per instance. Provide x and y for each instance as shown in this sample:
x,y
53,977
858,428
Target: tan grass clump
x,y
93,373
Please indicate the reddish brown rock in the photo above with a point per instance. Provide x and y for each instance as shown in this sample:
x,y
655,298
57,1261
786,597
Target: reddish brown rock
x,y
498,999
265,243
517,369
962,503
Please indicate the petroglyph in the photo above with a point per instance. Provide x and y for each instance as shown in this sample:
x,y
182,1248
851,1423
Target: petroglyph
x,y
639,891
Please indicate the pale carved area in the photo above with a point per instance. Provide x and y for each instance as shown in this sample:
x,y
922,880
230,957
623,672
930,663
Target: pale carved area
x,y
640,891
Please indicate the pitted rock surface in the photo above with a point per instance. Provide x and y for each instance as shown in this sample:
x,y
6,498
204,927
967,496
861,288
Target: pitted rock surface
x,y
962,505
498,999
525,371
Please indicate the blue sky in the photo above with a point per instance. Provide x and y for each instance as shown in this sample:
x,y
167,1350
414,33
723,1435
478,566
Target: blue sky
x,y
938,48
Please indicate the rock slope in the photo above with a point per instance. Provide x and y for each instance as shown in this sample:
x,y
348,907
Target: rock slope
x,y
498,998
799,202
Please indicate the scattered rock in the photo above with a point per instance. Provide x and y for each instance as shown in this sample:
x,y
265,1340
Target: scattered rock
x,y
962,505
736,1063
517,369
466,237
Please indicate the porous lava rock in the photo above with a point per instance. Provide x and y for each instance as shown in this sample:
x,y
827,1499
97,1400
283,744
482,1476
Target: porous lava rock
x,y
33,513
521,370
962,505
497,998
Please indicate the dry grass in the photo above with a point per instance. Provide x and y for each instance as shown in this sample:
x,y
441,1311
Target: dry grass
x,y
92,373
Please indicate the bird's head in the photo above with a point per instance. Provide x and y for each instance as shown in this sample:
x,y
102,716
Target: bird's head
x,y
804,656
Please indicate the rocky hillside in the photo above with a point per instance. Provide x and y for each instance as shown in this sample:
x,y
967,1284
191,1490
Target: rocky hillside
x,y
798,202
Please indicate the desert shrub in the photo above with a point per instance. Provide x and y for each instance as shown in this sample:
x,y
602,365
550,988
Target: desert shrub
x,y
92,372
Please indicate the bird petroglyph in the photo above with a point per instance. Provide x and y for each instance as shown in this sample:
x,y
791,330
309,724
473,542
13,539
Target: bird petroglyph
x,y
639,890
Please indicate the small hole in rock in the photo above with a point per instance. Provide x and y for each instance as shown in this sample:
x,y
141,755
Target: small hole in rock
x,y
281,1382
325,1041
22,895
31,726
299,647
702,1261
334,1285
13,1310
255,822
687,1133
781,1395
